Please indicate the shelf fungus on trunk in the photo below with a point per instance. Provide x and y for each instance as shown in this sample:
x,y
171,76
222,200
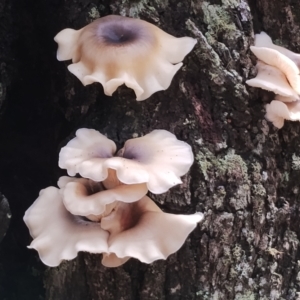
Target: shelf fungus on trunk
x,y
278,72
108,212
116,50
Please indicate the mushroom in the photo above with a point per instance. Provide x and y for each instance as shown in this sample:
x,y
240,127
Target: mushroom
x,y
272,79
141,230
86,153
280,61
124,230
57,234
112,215
277,112
157,159
278,71
264,40
85,197
116,50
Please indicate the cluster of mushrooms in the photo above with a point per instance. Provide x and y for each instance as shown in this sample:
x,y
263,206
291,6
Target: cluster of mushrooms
x,y
278,71
105,208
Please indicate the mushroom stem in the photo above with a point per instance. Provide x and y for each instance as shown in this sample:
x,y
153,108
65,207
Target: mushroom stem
x,y
122,217
109,208
112,180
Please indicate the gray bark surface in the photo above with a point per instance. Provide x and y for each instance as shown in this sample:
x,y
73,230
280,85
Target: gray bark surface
x,y
246,172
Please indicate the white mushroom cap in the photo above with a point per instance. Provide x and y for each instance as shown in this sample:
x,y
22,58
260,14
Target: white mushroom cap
x,y
80,198
116,50
264,40
141,230
86,153
277,112
281,62
67,38
272,79
59,235
157,159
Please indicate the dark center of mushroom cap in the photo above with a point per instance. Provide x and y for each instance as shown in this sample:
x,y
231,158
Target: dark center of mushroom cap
x,y
131,152
119,34
117,31
138,153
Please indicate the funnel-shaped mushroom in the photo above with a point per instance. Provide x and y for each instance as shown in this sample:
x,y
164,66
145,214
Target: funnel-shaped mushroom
x,y
116,50
281,62
85,197
86,153
264,40
141,230
59,235
272,79
157,159
277,112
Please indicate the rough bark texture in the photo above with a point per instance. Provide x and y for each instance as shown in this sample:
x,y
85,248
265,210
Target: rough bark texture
x,y
246,173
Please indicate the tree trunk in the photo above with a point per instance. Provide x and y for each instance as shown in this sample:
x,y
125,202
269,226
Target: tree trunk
x,y
245,175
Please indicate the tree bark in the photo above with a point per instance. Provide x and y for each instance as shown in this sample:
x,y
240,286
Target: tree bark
x,y
246,172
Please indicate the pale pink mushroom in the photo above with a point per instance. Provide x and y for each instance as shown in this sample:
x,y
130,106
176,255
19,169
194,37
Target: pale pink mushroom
x,y
280,75
272,79
277,112
86,153
141,230
157,159
124,230
116,50
280,61
57,234
85,197
123,216
264,40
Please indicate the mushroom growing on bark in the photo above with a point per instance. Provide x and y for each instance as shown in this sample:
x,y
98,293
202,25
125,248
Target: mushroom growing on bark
x,y
277,112
157,159
116,50
278,71
141,230
272,79
86,153
263,40
121,231
59,235
85,197
281,62
112,215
